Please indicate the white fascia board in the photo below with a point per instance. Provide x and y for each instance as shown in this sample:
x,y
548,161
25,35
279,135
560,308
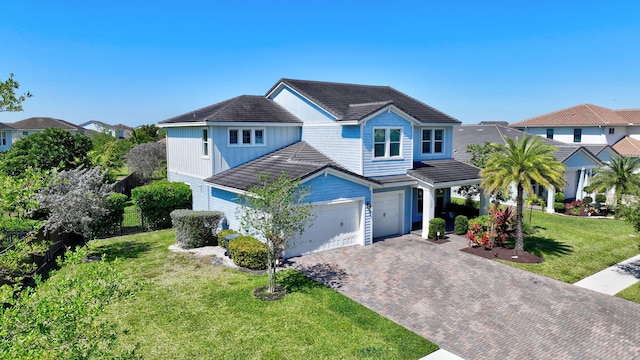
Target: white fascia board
x,y
226,188
187,174
237,124
342,175
449,184
396,184
395,110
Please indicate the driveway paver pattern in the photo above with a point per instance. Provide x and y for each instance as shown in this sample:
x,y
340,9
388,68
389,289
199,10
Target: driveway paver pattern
x,y
477,308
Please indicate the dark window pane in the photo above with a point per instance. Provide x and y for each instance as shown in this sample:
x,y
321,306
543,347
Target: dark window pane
x,y
379,135
378,150
233,136
426,147
259,137
246,136
439,134
394,135
437,147
394,149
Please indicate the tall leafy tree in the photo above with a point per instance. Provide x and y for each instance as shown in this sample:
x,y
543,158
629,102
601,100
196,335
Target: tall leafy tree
x,y
276,211
46,150
523,162
9,101
620,174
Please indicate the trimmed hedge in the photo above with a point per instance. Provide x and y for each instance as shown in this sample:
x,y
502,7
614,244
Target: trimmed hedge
x,y
157,200
558,197
195,228
436,225
461,225
248,252
601,198
587,200
559,207
222,234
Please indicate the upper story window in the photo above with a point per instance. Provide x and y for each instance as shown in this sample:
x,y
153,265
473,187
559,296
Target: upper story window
x,y
549,133
387,142
432,141
612,131
3,138
577,135
205,142
246,137
25,133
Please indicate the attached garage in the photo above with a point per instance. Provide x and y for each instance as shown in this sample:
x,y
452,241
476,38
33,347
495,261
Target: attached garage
x,y
388,213
336,225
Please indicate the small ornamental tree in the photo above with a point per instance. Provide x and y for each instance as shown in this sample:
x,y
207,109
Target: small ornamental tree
x,y
75,200
276,211
146,158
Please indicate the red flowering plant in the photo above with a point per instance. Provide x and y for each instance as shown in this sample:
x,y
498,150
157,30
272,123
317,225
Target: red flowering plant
x,y
495,228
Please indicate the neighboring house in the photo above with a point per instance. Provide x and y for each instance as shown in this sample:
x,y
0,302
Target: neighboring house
x,y
6,132
589,124
120,131
378,162
578,160
23,128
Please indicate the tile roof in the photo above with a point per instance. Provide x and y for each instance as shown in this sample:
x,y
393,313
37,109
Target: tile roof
x,y
4,126
41,123
299,161
444,171
496,133
628,146
244,108
354,102
579,115
631,116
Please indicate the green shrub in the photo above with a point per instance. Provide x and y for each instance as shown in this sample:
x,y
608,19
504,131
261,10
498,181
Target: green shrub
x,y
558,197
601,198
195,228
157,200
461,224
110,223
559,207
248,252
436,225
17,224
223,233
587,200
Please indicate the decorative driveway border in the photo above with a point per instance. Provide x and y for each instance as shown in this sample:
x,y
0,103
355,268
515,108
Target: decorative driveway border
x,y
476,308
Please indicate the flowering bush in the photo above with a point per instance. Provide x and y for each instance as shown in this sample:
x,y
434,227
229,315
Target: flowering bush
x,y
495,228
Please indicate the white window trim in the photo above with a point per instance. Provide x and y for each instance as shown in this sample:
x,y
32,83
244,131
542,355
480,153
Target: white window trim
x,y
206,143
432,141
253,137
387,143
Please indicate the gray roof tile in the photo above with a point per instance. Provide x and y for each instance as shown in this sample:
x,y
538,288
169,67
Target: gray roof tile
x,y
340,98
444,171
41,123
244,108
299,161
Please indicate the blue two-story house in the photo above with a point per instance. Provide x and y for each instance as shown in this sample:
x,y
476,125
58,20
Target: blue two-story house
x,y
378,162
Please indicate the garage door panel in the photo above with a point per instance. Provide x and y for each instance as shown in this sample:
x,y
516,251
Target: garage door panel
x,y
387,214
336,225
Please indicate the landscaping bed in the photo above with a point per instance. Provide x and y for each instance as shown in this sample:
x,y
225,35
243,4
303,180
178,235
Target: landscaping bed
x,y
503,253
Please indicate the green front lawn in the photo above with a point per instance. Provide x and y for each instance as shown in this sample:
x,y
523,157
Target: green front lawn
x,y
182,307
576,247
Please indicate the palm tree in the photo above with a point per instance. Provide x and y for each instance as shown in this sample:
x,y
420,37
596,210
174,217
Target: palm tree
x,y
619,174
522,163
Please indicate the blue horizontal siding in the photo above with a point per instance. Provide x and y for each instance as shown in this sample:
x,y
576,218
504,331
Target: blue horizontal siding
x,y
447,144
383,167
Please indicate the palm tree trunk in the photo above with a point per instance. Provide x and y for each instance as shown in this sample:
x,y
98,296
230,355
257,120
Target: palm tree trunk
x,y
519,248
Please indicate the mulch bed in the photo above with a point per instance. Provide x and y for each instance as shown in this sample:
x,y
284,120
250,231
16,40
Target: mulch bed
x,y
503,253
439,241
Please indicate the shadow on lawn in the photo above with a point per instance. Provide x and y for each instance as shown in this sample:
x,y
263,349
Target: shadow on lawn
x,y
121,250
542,246
330,275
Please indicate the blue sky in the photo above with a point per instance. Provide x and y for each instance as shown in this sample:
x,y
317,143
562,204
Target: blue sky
x,y
139,62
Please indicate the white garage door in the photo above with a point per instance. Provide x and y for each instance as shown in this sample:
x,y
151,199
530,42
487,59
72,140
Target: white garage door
x,y
387,213
336,225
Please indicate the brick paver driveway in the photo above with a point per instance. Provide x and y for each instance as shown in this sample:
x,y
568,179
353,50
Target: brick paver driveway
x,y
477,308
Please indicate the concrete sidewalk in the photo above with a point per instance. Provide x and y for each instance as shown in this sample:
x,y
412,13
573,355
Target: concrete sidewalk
x,y
614,279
